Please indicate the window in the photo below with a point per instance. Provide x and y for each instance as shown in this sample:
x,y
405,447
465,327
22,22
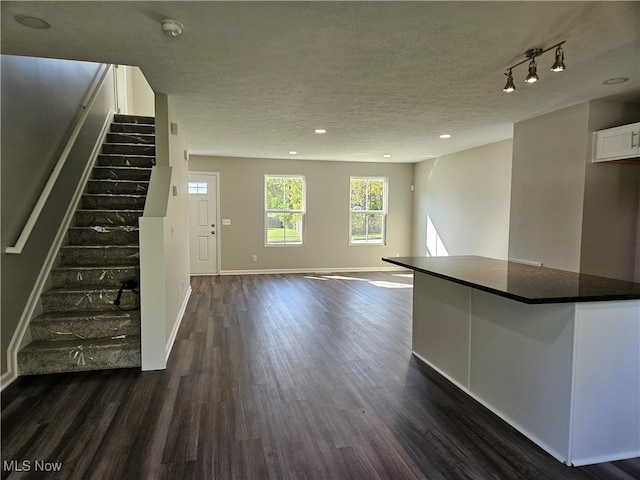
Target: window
x,y
368,210
197,188
284,209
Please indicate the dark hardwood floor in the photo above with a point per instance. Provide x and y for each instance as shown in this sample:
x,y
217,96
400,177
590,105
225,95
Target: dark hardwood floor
x,y
276,376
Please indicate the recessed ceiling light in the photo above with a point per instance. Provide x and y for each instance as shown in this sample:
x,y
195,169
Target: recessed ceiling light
x,y
386,155
445,135
293,152
32,22
320,131
615,81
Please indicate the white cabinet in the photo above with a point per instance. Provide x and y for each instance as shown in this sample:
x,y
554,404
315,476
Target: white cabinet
x,y
617,143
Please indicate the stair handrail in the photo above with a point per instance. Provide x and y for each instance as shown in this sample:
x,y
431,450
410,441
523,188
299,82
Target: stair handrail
x,y
87,104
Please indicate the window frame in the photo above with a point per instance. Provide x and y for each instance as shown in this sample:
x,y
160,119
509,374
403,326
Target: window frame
x,y
302,211
384,212
197,188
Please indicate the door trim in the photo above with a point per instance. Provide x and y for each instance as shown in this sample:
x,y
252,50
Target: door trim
x,y
218,228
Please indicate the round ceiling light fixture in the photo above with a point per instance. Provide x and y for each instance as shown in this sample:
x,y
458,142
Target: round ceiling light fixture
x,y
615,81
320,131
173,28
32,22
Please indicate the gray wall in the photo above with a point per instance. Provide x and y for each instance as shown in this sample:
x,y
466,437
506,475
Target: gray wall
x,y
610,214
636,277
40,101
567,212
327,218
547,188
466,196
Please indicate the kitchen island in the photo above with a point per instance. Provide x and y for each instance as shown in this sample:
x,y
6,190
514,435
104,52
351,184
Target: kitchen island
x,y
556,354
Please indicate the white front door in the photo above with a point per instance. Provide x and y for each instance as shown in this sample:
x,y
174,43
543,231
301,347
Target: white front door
x,y
203,221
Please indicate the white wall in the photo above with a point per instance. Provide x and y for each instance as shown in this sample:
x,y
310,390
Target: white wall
x,y
143,95
177,222
326,243
164,242
134,94
466,196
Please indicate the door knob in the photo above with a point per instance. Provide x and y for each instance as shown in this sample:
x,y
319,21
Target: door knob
x,y
213,232
213,224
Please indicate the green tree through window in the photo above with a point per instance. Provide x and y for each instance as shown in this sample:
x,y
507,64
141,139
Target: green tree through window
x,y
284,209
368,210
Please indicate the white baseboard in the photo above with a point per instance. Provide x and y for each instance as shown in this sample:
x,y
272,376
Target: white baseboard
x,y
21,335
7,379
605,458
176,327
311,270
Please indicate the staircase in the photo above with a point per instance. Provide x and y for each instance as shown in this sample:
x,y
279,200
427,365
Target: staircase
x,y
81,327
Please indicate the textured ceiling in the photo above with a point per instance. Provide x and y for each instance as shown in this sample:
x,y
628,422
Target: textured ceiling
x,y
254,79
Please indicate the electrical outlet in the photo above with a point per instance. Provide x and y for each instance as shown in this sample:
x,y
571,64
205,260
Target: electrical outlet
x,y
254,258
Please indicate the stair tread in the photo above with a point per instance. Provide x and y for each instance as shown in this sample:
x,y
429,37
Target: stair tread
x,y
109,210
123,155
101,246
132,133
134,119
132,195
117,228
141,146
98,265
83,314
119,167
132,341
84,289
92,267
118,180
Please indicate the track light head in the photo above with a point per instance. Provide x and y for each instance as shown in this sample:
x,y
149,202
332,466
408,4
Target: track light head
x,y
533,72
558,65
510,86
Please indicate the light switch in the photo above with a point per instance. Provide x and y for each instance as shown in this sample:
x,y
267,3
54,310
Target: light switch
x,y
175,190
226,221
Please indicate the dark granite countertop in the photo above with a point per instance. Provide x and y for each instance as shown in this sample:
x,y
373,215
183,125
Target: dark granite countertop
x,y
523,283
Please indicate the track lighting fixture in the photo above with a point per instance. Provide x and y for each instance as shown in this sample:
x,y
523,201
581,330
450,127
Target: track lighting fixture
x,y
532,76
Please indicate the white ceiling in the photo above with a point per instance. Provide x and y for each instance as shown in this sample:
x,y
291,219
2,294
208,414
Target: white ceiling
x,y
254,79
